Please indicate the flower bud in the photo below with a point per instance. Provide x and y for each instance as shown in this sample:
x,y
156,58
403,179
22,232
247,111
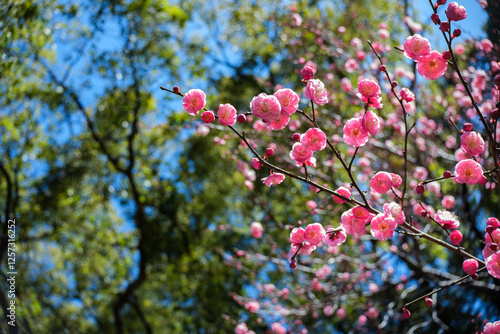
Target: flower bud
x,y
444,26
447,174
446,55
176,90
435,18
467,127
241,118
307,73
457,32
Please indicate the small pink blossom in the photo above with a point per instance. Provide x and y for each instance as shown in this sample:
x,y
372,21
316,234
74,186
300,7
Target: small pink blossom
x,y
297,235
472,143
447,219
277,328
468,171
416,46
336,238
371,122
266,107
300,154
256,230
492,328
470,266
432,66
241,329
493,265
362,213
383,227
354,133
314,139
256,163
315,233
193,101
396,180
455,12
288,99
344,192
352,225
252,306
381,182
407,95
226,114
420,173
315,91
486,45
448,202
394,210
207,116
368,88
273,179
279,123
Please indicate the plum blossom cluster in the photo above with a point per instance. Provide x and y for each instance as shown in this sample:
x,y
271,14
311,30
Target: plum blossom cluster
x,y
357,130
309,142
491,249
430,64
275,110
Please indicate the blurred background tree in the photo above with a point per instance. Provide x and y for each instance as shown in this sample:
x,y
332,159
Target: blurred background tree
x,y
129,217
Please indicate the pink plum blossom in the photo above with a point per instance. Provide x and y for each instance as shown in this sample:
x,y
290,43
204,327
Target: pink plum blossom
x,y
256,230
300,154
241,329
468,171
207,116
455,12
493,265
420,173
492,328
266,107
448,202
314,139
315,233
396,180
226,114
407,95
394,210
432,66
383,227
288,99
256,163
252,306
368,88
416,46
352,224
381,182
456,237
336,238
371,122
447,219
193,101
344,192
472,143
354,133
273,179
297,235
470,266
277,328
279,123
362,213
315,91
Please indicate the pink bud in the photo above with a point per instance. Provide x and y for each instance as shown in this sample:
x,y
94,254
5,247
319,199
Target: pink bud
x,y
406,314
457,32
444,26
455,237
455,12
428,301
420,189
207,116
296,137
467,127
446,55
447,174
470,266
241,118
307,73
492,221
269,152
435,18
